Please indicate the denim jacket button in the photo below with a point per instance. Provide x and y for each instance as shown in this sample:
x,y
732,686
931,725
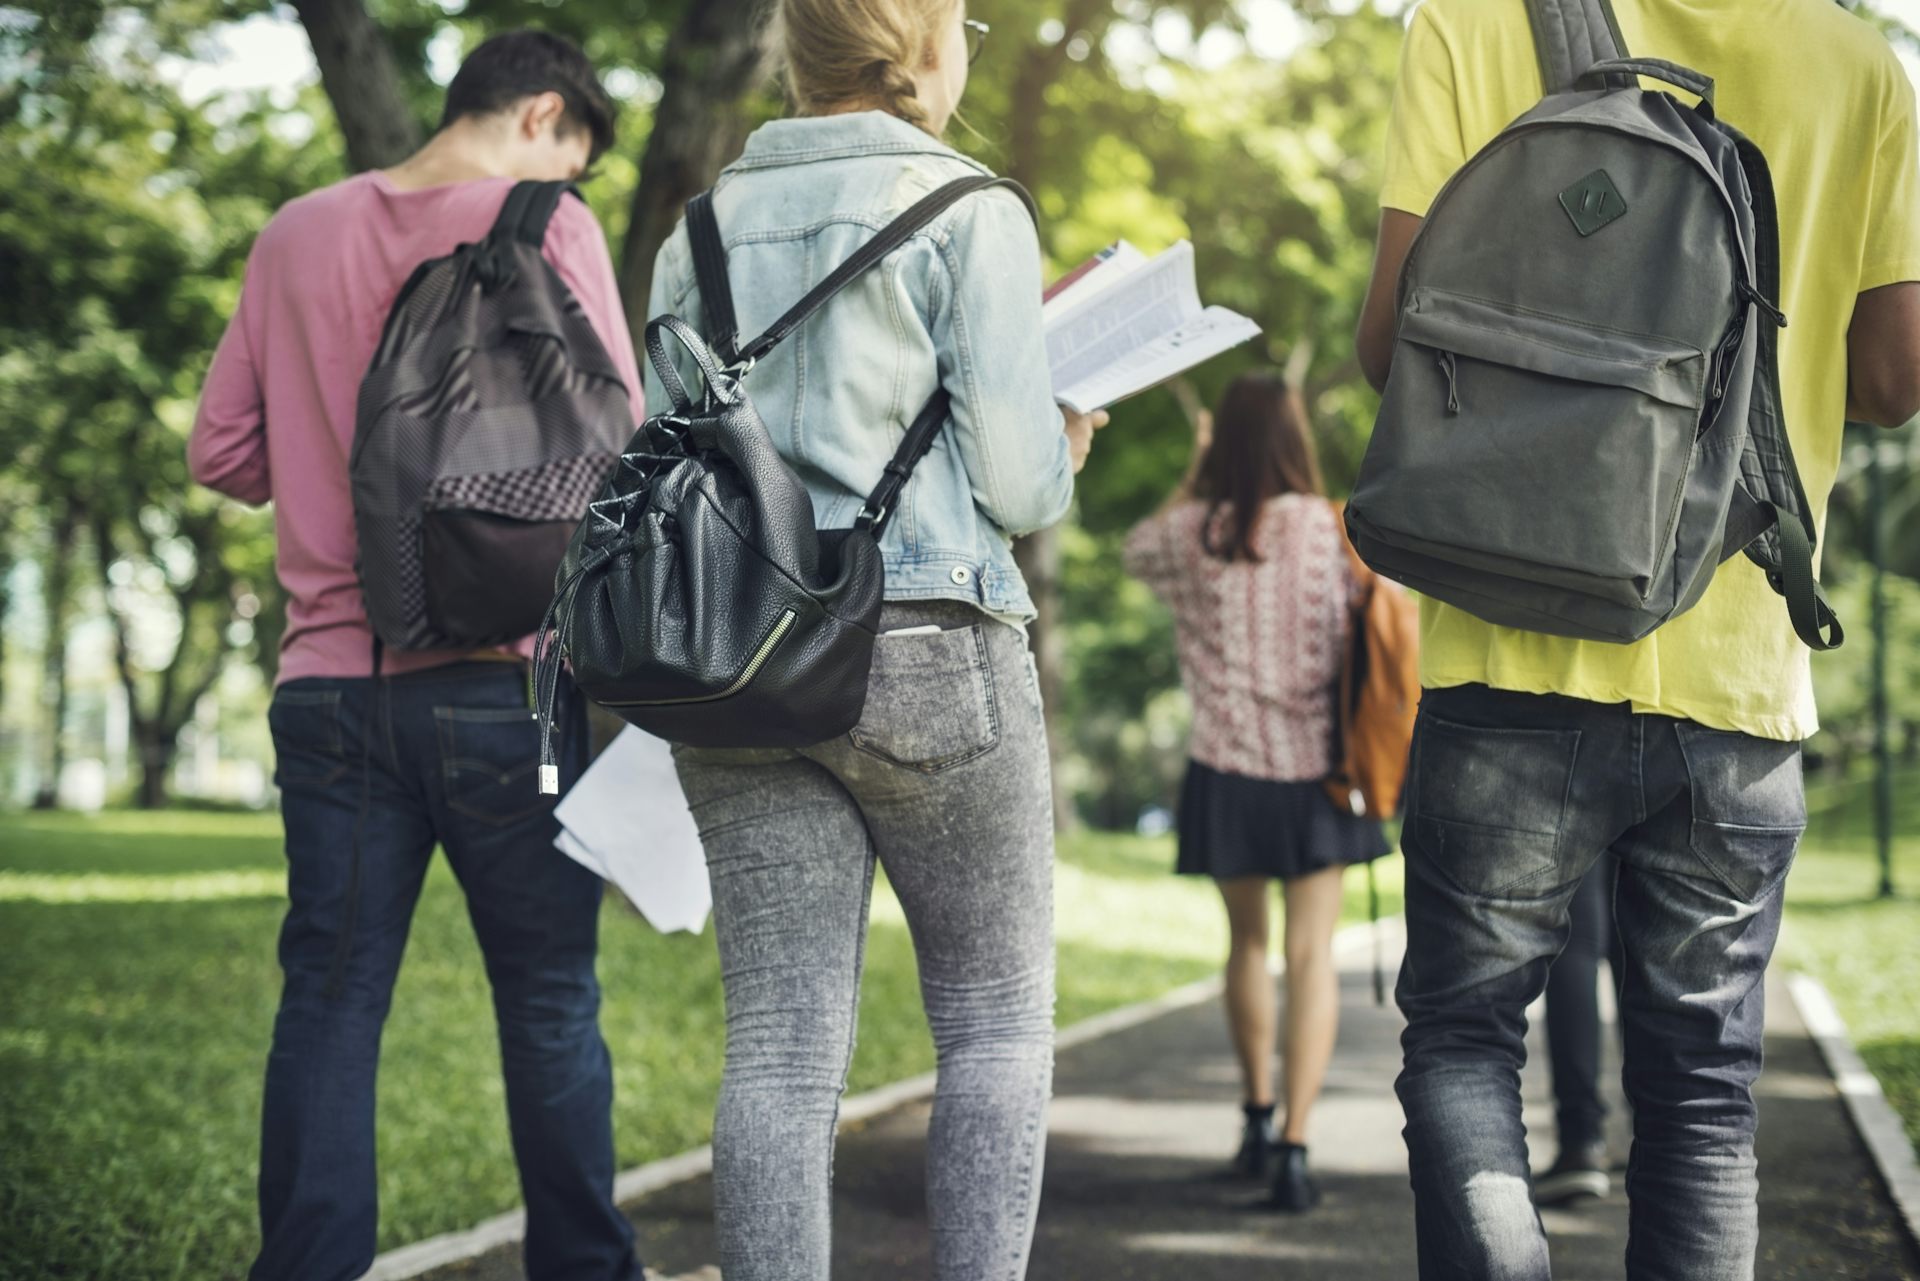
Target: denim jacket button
x,y
961,575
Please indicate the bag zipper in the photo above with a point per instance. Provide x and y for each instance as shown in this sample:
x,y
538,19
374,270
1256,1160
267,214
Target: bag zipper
x,y
1450,368
778,633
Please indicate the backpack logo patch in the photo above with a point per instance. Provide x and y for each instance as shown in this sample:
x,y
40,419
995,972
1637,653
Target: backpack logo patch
x,y
1593,202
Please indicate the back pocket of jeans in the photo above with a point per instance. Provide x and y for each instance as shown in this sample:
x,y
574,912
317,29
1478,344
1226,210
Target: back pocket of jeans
x,y
930,701
489,760
1490,803
1749,806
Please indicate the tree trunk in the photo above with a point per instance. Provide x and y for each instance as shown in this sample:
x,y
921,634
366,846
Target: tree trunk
x,y
362,81
156,730
56,588
156,751
719,54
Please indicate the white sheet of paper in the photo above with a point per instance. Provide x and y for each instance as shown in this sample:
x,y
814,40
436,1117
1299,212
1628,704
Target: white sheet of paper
x,y
627,821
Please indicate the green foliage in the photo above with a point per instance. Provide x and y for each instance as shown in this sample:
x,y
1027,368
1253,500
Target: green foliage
x,y
125,218
1842,680
1271,169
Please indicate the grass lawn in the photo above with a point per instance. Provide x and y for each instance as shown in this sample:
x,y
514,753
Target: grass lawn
x,y
137,989
1864,948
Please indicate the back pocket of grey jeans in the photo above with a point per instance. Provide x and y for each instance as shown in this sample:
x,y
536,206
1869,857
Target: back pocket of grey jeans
x,y
1749,806
1489,803
930,701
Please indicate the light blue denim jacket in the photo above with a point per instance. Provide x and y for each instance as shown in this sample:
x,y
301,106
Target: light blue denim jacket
x,y
957,306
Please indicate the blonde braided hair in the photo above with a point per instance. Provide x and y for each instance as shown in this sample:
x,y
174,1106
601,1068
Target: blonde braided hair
x,y
841,55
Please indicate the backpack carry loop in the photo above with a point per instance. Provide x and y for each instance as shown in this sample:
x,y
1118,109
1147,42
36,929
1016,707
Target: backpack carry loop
x,y
1602,75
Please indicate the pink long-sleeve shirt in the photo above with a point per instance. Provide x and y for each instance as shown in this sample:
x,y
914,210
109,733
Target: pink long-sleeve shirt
x,y
276,415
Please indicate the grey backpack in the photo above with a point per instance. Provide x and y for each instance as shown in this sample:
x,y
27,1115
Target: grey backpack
x,y
488,419
1584,415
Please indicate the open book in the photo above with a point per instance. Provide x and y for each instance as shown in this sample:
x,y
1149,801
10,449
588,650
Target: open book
x,y
1122,322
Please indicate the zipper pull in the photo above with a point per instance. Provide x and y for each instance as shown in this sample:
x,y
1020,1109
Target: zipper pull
x,y
1724,357
1759,300
1450,370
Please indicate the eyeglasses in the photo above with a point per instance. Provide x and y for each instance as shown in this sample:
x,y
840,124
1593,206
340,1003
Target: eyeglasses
x,y
976,38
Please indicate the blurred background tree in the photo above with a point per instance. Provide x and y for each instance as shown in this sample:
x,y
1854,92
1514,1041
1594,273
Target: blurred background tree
x,y
128,203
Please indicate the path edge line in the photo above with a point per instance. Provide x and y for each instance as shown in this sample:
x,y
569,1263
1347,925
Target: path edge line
x,y
1874,1119
409,1261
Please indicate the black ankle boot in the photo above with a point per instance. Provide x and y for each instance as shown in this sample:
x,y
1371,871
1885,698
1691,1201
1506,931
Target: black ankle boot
x,y
1294,1189
1257,1142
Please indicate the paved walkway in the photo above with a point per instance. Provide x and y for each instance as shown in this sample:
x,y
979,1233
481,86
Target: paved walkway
x,y
1144,1118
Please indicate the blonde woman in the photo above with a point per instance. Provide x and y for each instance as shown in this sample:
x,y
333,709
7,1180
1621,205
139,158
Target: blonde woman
x,y
944,781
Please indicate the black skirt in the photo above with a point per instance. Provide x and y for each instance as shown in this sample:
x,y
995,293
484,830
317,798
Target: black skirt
x,y
1232,826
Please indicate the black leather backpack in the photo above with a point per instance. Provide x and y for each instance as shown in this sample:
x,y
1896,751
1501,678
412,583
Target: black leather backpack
x,y
697,599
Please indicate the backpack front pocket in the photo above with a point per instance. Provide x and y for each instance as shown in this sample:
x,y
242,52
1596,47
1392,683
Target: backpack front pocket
x,y
1536,447
490,545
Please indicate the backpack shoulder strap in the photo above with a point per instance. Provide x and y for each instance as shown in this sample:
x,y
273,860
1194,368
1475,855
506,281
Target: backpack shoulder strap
x,y
710,273
884,242
1570,36
1771,519
528,209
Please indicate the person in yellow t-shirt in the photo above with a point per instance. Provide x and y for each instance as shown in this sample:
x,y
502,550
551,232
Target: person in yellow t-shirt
x,y
1535,754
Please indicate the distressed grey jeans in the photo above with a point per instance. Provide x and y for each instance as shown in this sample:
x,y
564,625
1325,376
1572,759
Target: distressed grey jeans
x,y
945,783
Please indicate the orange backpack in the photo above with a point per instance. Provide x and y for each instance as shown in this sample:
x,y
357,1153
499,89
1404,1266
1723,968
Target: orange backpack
x,y
1379,694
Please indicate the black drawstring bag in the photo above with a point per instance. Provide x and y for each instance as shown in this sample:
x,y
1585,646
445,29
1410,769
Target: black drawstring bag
x,y
697,600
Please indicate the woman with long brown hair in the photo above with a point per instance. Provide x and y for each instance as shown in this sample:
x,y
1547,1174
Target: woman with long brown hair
x,y
1248,555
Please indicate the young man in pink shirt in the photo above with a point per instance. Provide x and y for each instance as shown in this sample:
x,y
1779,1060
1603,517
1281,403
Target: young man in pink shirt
x,y
445,753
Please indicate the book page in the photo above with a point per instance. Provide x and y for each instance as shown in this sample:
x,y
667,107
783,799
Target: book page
x,y
626,820
1109,326
1211,332
1099,273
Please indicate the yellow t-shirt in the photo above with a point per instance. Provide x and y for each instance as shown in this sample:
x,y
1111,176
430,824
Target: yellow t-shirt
x,y
1830,106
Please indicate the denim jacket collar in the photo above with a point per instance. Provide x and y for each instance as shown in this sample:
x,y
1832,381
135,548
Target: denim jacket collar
x,y
800,140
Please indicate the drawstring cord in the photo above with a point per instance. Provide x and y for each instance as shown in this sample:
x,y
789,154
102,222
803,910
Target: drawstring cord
x,y
548,653
551,637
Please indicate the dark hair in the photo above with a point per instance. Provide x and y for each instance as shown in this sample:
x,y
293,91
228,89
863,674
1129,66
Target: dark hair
x,y
1261,448
519,64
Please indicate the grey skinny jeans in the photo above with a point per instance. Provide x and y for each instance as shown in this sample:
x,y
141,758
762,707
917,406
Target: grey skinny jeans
x,y
945,782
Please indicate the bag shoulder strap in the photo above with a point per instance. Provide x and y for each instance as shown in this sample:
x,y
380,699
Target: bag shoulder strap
x,y
716,294
1771,519
1572,35
528,209
710,273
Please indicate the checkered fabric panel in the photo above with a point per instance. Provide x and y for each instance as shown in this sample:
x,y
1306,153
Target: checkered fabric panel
x,y
556,490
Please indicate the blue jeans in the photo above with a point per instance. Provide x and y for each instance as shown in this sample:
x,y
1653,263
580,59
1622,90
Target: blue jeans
x,y
444,756
1573,1010
1512,799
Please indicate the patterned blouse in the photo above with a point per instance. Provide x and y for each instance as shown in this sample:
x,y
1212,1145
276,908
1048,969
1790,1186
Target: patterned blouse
x,y
1259,641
